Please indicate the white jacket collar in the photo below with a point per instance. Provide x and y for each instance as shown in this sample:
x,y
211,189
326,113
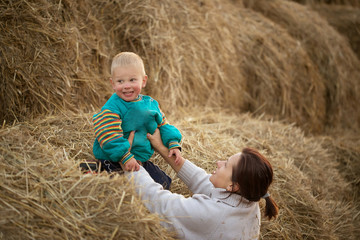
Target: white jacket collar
x,y
231,199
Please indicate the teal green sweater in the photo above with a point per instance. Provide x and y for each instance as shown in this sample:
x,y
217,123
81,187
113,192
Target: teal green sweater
x,y
117,118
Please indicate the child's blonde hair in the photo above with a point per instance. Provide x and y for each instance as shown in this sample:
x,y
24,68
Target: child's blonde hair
x,y
127,58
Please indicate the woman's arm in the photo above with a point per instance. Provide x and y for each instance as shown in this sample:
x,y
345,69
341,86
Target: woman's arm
x,y
189,216
194,177
158,145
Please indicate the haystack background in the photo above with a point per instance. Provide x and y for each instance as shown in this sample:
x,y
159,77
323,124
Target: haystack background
x,y
346,20
292,67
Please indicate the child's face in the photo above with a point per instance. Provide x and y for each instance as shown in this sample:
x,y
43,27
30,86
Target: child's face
x,y
127,82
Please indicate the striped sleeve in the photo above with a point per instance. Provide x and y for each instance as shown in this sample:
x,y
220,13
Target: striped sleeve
x,y
107,126
174,145
163,120
170,135
109,134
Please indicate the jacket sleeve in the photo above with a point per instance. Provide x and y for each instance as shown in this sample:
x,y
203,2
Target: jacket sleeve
x,y
109,134
170,135
186,215
195,178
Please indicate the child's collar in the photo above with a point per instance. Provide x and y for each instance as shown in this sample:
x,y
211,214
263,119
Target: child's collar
x,y
138,98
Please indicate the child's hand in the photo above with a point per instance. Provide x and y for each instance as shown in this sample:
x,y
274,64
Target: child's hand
x,y
177,153
132,165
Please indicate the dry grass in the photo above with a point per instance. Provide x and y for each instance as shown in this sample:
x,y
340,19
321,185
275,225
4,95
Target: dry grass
x,y
227,55
316,202
346,20
43,191
209,53
346,149
49,62
208,62
330,53
352,3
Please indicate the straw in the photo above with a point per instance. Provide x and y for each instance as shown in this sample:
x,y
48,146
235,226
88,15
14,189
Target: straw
x,y
43,191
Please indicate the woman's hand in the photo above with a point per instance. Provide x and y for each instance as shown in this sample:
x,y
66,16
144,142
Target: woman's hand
x,y
158,145
131,138
155,140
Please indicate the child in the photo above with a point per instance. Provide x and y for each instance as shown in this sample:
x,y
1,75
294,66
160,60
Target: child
x,y
127,110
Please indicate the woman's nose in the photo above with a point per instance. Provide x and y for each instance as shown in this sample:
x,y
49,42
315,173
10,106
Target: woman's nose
x,y
219,164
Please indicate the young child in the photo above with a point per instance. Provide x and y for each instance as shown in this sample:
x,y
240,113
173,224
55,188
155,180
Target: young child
x,y
127,110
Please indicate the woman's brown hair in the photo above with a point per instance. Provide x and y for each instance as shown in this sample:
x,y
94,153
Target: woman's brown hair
x,y
254,174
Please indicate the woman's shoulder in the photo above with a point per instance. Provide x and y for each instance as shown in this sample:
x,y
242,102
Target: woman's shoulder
x,y
219,217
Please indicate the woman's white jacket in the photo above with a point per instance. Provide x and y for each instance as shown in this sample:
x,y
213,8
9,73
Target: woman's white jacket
x,y
211,213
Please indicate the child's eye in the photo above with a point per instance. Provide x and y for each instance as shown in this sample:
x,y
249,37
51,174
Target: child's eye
x,y
133,79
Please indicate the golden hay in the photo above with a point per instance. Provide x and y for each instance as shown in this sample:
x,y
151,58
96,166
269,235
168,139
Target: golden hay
x,y
346,20
274,57
346,149
209,53
353,3
227,56
236,59
330,53
49,60
43,192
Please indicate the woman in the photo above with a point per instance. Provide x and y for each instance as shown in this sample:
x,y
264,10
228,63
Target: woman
x,y
225,204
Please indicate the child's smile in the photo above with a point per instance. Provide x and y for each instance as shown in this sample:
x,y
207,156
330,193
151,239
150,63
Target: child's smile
x,y
127,81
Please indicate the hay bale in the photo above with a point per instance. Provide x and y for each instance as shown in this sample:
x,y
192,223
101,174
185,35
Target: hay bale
x,y
278,73
307,179
49,61
43,191
345,19
329,52
207,53
214,54
353,3
346,149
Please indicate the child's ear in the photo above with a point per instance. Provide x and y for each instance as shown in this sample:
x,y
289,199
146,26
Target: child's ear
x,y
111,82
144,80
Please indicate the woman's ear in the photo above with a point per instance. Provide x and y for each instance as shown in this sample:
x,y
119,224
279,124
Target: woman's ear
x,y
234,187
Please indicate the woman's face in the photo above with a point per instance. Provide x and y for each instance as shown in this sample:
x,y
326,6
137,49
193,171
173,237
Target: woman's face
x,y
221,177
